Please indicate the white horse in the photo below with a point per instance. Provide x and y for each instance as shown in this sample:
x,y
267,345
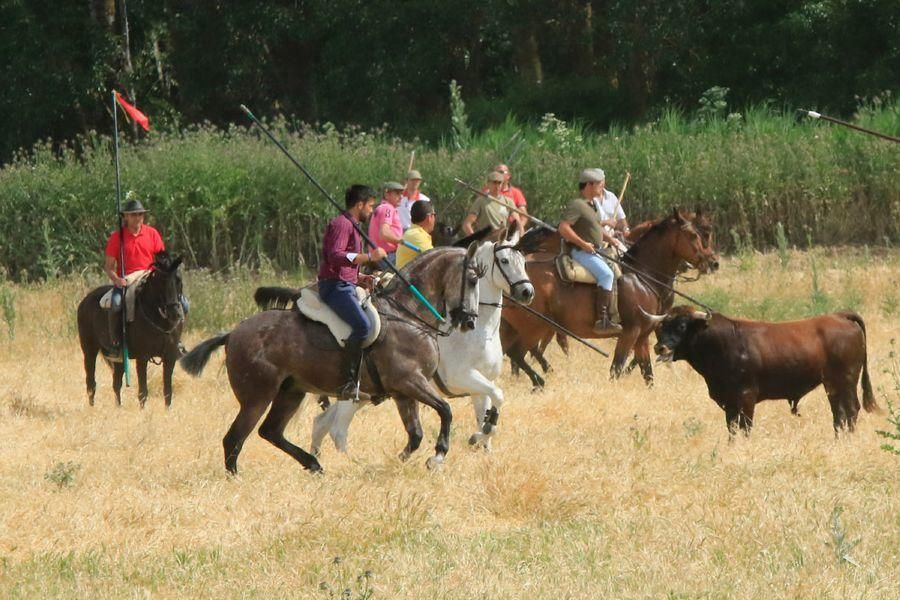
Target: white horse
x,y
469,362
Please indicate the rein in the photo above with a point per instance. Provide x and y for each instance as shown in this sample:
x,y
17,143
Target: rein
x,y
143,309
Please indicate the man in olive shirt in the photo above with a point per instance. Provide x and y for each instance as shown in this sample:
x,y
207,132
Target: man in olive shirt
x,y
485,212
582,227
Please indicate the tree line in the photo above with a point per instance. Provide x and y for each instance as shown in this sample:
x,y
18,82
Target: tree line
x,y
380,62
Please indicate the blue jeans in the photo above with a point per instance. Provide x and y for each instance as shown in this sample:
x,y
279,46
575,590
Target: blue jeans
x,y
341,297
597,267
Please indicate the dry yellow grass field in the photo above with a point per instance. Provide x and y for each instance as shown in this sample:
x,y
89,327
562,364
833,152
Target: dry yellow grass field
x,y
593,489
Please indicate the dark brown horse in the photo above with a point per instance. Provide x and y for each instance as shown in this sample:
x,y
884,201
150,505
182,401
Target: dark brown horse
x,y
658,254
154,333
274,358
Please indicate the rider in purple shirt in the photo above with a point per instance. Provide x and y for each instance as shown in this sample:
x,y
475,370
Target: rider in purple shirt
x,y
339,273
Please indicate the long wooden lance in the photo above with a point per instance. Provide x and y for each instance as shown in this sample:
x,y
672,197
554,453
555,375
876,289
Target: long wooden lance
x,y
412,288
814,115
115,110
502,203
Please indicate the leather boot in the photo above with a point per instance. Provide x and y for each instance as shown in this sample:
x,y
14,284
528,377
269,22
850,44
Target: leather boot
x,y
114,352
353,356
604,325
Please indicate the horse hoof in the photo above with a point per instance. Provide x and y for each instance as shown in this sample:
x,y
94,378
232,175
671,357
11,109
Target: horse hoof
x,y
474,439
403,456
537,388
435,462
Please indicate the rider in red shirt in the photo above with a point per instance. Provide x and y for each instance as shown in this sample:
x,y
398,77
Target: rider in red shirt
x,y
142,242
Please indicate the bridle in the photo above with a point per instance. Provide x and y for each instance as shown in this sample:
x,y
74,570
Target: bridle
x,y
147,317
498,265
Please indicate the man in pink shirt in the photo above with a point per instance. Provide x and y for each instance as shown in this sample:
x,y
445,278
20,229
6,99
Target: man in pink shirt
x,y
385,228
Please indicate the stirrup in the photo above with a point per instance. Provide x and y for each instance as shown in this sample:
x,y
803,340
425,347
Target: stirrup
x,y
606,327
351,391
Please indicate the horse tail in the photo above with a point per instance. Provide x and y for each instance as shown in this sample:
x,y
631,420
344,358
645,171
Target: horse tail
x,y
194,361
869,402
279,298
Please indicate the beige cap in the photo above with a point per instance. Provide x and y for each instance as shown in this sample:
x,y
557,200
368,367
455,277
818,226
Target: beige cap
x,y
495,177
393,186
413,174
591,176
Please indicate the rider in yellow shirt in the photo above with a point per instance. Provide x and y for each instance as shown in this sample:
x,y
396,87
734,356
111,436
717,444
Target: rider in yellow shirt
x,y
419,233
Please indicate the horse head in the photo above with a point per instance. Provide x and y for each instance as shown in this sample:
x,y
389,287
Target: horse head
x,y
463,309
164,286
507,271
688,244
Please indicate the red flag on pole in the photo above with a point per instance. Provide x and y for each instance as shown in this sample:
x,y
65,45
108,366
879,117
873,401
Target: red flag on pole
x,y
139,117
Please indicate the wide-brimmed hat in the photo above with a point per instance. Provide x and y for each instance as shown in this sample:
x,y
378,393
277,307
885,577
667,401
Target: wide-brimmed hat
x,y
393,186
133,206
495,177
413,174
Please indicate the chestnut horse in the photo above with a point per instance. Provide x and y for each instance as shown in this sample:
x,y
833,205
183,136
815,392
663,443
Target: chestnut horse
x,y
702,223
650,267
274,358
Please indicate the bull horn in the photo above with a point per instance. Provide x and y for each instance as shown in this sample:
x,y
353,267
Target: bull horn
x,y
699,314
653,318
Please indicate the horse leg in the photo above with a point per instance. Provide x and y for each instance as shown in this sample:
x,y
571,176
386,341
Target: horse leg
x,y
118,373
168,369
142,381
517,358
642,356
793,403
248,416
284,407
409,414
334,420
623,347
631,366
90,370
538,355
417,387
487,399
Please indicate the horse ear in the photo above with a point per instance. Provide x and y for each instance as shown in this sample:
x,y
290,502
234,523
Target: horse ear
x,y
473,249
177,263
514,238
676,214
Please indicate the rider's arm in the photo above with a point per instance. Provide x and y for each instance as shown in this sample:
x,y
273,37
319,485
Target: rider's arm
x,y
387,234
568,234
468,222
110,268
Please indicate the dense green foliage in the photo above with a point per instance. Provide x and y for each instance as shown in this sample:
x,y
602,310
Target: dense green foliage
x,y
226,197
368,63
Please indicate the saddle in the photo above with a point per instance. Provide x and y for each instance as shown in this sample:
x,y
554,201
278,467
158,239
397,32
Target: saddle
x,y
134,283
311,306
570,271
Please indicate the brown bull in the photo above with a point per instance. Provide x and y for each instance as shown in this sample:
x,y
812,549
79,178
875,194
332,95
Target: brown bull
x,y
744,362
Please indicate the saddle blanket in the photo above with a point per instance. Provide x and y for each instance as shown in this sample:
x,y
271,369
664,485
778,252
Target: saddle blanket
x,y
133,284
310,304
572,271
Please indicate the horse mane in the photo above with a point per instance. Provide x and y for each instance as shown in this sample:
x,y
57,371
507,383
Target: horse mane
x,y
475,237
658,227
532,240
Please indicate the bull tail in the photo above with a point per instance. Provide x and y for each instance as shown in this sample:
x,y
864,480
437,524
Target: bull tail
x,y
194,361
868,396
280,298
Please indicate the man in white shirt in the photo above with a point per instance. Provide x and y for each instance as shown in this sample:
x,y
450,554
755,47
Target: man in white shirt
x,y
613,217
411,195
